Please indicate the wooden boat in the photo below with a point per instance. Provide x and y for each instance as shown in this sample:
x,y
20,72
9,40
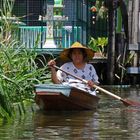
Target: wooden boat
x,y
56,97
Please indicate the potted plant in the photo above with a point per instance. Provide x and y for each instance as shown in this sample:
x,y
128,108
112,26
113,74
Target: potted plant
x,y
99,45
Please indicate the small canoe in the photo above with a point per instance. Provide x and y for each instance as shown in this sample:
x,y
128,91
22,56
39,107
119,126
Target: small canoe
x,y
55,97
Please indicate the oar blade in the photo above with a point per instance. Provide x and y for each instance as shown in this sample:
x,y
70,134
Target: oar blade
x,y
127,102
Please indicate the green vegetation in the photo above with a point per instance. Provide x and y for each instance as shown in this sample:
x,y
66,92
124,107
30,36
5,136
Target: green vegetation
x,y
18,70
99,44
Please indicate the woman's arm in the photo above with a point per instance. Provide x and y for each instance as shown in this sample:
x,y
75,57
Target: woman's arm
x,y
94,77
54,78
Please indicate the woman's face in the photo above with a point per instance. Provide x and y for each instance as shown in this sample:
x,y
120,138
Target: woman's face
x,y
77,56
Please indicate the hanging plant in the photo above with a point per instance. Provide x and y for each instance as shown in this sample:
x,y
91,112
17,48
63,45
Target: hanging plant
x,y
99,9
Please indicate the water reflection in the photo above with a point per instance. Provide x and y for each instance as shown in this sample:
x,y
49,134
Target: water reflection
x,y
111,121
66,125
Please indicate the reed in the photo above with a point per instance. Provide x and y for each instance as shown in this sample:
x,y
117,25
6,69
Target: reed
x,y
18,69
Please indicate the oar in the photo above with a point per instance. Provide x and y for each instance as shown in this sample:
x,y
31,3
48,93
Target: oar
x,y
125,101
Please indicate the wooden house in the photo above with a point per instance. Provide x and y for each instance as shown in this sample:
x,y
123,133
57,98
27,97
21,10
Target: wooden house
x,y
77,25
62,22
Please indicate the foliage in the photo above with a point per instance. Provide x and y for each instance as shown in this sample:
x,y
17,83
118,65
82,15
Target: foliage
x,y
18,73
18,70
100,9
99,44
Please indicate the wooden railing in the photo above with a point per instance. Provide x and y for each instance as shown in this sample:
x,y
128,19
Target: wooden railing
x,y
63,38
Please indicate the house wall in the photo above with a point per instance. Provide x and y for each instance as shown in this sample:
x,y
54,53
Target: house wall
x,y
28,10
70,10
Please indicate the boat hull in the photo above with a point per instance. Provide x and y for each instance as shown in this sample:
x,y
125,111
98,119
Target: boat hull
x,y
56,101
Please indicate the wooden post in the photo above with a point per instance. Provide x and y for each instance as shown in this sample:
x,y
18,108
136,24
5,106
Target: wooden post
x,y
135,15
135,29
134,32
111,44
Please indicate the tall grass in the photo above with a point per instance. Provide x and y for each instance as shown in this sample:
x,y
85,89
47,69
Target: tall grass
x,y
18,70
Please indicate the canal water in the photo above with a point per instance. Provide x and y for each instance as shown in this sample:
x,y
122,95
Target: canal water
x,y
111,121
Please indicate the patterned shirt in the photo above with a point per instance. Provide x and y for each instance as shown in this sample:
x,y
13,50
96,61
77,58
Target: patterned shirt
x,y
87,73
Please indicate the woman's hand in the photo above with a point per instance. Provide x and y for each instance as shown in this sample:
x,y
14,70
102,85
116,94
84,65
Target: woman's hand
x,y
90,83
51,63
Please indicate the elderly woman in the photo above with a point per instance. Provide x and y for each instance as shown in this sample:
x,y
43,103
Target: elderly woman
x,y
77,55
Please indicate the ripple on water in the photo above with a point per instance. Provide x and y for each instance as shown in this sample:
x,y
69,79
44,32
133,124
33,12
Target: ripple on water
x,y
111,121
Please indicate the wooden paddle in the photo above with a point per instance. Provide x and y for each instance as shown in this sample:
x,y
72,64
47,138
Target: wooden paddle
x,y
125,101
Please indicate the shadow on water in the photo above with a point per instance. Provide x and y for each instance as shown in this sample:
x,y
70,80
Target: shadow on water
x,y
111,121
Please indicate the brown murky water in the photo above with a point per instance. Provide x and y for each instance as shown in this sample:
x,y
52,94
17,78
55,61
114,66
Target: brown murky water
x,y
111,121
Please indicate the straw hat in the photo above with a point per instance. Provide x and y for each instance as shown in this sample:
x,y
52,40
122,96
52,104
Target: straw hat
x,y
64,55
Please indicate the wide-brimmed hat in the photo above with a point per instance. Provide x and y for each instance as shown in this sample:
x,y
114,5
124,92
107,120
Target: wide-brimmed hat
x,y
64,55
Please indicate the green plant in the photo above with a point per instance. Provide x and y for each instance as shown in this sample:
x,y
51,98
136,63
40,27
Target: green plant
x,y
99,44
18,69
